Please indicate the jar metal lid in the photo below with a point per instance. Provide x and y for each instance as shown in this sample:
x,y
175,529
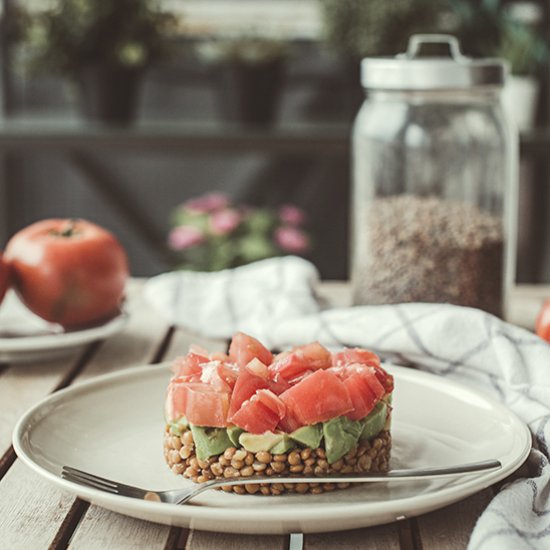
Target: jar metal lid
x,y
409,71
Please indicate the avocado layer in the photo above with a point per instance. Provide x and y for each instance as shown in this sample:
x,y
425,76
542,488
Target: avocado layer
x,y
286,444
260,442
309,436
375,421
234,432
341,435
210,441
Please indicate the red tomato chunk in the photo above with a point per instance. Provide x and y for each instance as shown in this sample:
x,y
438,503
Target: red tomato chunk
x,y
318,397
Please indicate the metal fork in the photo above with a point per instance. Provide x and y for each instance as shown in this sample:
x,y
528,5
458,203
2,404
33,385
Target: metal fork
x,y
182,496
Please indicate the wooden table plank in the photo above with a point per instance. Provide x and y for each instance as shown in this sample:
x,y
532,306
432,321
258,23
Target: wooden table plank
x,y
382,537
450,528
204,540
31,509
101,529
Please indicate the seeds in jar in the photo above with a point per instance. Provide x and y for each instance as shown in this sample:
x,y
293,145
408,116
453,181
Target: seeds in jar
x,y
424,249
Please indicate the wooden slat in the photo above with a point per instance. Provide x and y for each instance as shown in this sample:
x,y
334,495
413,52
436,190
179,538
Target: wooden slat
x,y
450,528
101,529
383,537
203,540
31,509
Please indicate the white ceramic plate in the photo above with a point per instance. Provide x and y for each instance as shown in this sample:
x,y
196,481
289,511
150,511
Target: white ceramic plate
x,y
31,338
113,426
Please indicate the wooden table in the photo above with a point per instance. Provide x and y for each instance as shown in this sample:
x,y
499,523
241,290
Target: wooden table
x,y
36,515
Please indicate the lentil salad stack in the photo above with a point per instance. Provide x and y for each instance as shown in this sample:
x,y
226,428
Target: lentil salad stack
x,y
306,411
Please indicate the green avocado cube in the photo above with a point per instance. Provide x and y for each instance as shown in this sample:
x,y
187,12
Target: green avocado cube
x,y
341,435
286,444
210,441
259,442
375,421
233,432
309,436
177,427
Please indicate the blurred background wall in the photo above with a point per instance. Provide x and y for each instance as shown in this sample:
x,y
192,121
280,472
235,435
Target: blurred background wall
x,y
133,192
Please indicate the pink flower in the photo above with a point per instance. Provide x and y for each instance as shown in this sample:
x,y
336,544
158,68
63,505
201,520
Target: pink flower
x,y
184,237
292,215
291,239
224,221
207,203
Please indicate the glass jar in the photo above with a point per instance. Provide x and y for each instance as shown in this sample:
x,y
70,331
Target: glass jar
x,y
434,181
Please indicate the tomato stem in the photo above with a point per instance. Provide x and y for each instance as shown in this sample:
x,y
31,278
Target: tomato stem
x,y
68,231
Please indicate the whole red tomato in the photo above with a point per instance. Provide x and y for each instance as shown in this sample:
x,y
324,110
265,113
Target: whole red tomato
x,y
4,277
70,272
542,325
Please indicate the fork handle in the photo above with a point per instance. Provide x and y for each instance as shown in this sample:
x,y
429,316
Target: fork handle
x,y
411,474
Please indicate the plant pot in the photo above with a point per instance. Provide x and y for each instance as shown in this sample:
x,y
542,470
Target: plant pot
x,y
109,94
249,93
520,99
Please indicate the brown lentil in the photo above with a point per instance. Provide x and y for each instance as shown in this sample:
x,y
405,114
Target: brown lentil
x,y
294,458
263,456
368,456
187,438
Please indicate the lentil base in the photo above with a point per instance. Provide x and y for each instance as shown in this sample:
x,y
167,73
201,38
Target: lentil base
x,y
368,456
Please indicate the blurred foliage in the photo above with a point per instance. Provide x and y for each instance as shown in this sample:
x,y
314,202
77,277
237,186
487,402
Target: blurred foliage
x,y
485,28
248,47
359,28
71,34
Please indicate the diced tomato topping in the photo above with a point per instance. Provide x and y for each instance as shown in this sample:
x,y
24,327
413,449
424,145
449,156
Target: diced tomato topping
x,y
258,393
255,417
189,366
349,356
220,376
204,406
318,397
362,397
201,404
384,378
278,385
271,401
257,367
219,356
174,403
289,422
244,348
303,358
247,384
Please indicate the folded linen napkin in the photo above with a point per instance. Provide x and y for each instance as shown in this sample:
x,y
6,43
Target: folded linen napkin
x,y
274,300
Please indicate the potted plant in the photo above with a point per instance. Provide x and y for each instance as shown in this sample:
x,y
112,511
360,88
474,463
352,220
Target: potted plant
x,y
103,47
249,75
489,29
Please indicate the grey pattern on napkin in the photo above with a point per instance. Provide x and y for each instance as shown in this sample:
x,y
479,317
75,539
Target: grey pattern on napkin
x,y
274,301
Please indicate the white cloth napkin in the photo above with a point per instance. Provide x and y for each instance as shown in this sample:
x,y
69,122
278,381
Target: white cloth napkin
x,y
274,301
